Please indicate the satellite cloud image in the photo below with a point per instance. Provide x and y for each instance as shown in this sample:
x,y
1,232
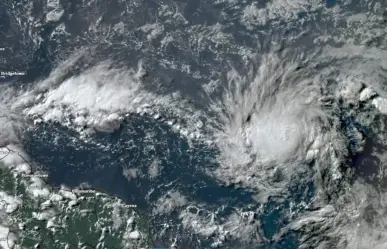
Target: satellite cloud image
x,y
193,124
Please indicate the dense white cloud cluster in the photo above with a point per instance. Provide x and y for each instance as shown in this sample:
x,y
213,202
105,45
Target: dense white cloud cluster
x,y
285,121
97,99
272,124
